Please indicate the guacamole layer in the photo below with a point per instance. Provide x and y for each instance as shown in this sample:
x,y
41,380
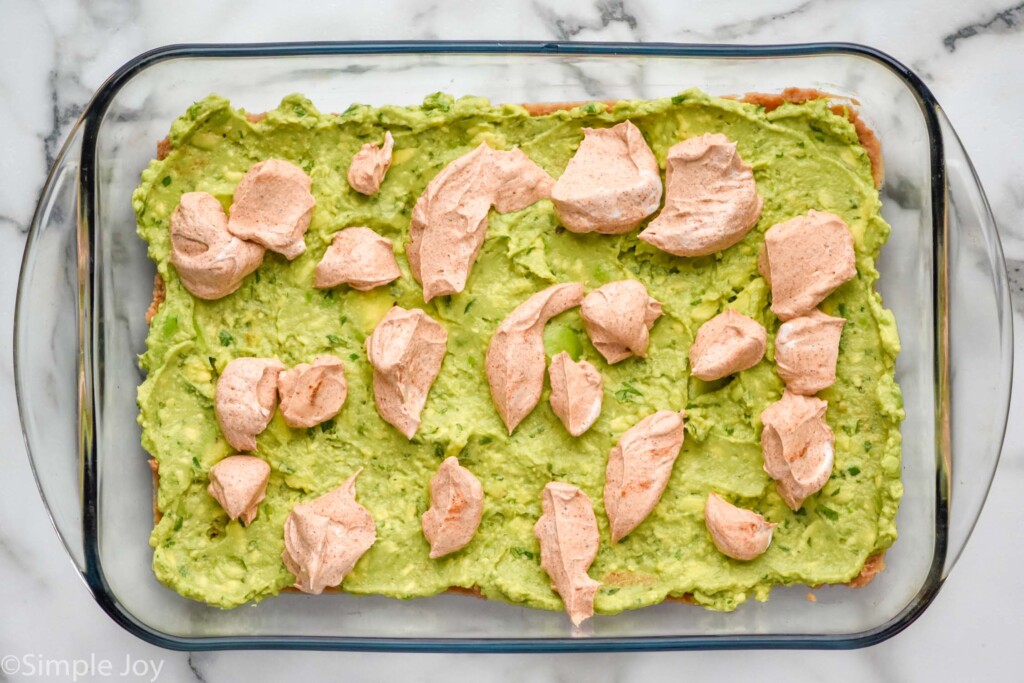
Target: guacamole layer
x,y
804,157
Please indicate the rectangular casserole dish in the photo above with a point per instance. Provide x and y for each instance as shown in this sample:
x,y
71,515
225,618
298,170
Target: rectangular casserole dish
x,y
86,284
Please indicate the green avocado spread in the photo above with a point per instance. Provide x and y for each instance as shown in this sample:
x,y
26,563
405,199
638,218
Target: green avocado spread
x,y
804,157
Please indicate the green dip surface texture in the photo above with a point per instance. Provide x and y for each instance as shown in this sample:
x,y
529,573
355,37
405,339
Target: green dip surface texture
x,y
804,157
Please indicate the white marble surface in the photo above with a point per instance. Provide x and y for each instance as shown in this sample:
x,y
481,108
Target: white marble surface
x,y
54,54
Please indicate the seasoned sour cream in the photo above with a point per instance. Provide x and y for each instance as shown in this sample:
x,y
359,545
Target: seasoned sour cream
x,y
711,200
577,392
358,257
239,484
730,342
808,257
449,221
324,538
639,466
456,507
273,206
210,261
371,162
246,396
568,536
806,352
406,350
740,534
618,318
611,184
312,393
798,446
515,354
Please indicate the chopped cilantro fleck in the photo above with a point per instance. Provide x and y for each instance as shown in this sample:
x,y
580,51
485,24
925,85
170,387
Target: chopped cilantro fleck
x,y
522,552
627,392
853,471
828,513
166,181
353,356
170,325
225,338
334,339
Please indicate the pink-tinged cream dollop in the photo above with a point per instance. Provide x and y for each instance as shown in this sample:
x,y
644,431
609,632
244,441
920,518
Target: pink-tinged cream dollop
x,y
246,396
211,262
456,507
711,200
611,184
740,534
568,536
239,484
312,393
798,446
358,257
808,257
730,342
406,350
515,355
807,350
449,221
273,206
618,318
577,392
639,466
324,538
371,162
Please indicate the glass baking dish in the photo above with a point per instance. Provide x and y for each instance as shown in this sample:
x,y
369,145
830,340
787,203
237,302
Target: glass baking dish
x,y
86,283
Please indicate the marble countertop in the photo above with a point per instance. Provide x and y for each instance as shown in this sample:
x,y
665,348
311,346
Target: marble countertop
x,y
52,57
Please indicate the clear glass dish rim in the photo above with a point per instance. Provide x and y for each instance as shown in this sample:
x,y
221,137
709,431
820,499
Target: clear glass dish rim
x,y
90,122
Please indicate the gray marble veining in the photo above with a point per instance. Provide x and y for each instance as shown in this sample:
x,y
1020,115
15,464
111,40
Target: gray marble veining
x,y
53,55
612,18
1009,20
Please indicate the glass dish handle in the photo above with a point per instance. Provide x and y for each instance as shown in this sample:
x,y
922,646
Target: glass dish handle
x,y
47,352
980,331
